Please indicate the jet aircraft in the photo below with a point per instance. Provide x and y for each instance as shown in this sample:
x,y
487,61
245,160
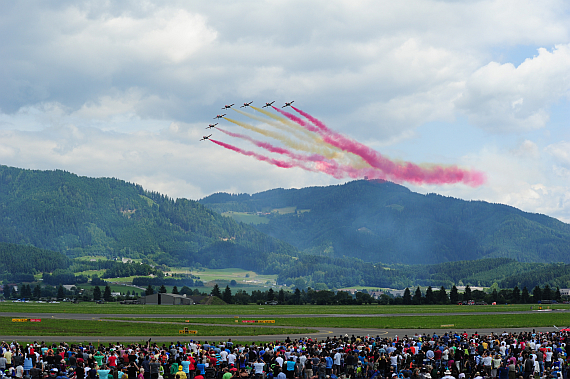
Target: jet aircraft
x,y
268,104
205,137
219,116
246,104
228,106
288,104
211,126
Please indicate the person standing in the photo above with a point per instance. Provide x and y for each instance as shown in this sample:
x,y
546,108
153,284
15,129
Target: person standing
x,y
154,368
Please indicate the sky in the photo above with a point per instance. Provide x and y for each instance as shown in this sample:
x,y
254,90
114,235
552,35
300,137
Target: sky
x,y
126,89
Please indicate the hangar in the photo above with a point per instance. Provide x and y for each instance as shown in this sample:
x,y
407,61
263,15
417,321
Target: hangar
x,y
167,299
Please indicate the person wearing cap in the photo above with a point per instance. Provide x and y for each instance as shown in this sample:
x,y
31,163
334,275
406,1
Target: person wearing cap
x,y
181,374
447,375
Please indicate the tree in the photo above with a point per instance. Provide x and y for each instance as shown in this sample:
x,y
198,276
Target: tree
x,y
233,283
162,289
6,291
546,293
467,294
558,295
495,295
536,294
107,293
407,298
96,293
297,296
525,296
37,291
516,295
270,295
430,298
417,299
227,297
149,290
175,290
454,295
26,291
216,291
186,291
442,297
281,296
60,292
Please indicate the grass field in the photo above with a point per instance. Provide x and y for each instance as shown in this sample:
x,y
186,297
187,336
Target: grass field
x,y
246,218
58,327
239,310
239,275
408,322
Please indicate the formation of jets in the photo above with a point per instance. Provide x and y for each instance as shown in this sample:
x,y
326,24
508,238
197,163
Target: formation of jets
x,y
243,106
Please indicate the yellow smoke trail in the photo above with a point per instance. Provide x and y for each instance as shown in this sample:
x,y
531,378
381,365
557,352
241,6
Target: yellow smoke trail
x,y
352,159
287,141
291,124
283,127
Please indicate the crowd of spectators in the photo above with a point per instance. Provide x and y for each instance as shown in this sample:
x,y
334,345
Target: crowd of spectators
x,y
421,356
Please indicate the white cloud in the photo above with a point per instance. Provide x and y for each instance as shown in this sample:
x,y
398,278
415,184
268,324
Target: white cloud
x,y
503,98
560,151
126,89
527,149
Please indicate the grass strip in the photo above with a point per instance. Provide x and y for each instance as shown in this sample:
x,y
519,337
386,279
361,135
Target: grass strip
x,y
542,319
242,310
59,327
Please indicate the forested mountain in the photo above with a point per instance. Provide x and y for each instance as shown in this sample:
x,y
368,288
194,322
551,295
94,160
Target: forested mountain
x,y
63,212
379,221
360,233
19,263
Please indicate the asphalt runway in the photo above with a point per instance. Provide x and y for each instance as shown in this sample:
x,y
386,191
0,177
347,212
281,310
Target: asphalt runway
x,y
322,333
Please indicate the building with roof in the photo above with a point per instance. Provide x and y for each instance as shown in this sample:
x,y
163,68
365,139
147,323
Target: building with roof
x,y
166,299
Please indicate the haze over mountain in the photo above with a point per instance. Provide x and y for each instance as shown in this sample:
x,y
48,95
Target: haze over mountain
x,y
359,233
381,221
63,212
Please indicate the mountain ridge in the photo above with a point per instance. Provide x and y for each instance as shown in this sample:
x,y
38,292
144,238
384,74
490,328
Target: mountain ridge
x,y
381,221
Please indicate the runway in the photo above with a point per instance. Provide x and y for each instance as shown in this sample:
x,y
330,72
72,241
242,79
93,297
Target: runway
x,y
322,333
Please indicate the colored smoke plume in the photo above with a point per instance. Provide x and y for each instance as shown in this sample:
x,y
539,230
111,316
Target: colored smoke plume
x,y
335,154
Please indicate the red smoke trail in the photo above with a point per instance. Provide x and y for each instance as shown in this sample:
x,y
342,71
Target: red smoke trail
x,y
407,171
314,120
260,157
274,149
298,120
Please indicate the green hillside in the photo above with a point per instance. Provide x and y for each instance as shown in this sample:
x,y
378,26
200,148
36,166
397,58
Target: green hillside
x,y
60,211
384,222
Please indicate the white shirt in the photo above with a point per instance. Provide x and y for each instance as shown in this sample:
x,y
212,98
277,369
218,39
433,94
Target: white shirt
x,y
258,367
337,357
